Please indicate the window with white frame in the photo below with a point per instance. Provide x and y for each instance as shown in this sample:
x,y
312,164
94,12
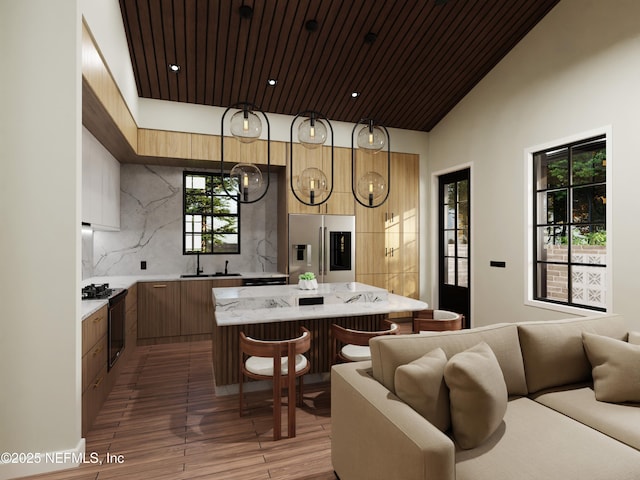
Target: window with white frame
x,y
570,224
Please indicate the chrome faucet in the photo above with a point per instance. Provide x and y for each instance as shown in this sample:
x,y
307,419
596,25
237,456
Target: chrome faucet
x,y
226,267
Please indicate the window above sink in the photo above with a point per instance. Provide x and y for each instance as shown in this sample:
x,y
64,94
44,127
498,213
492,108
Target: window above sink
x,y
211,217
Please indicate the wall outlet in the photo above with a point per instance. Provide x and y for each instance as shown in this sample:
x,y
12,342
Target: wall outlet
x,y
143,265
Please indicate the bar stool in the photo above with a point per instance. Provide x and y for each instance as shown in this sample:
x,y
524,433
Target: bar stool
x,y
436,320
271,360
349,345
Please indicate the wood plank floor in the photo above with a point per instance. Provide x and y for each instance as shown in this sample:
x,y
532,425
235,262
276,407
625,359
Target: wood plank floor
x,y
165,420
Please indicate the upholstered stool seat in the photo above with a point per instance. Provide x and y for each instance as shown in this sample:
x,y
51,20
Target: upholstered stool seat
x,y
353,345
264,365
356,353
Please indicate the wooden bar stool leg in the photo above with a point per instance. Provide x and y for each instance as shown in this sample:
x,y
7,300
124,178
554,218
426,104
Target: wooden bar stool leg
x,y
301,393
291,391
240,392
277,409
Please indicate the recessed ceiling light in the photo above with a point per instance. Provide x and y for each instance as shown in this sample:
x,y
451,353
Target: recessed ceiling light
x,y
355,94
174,67
311,25
370,38
246,12
272,82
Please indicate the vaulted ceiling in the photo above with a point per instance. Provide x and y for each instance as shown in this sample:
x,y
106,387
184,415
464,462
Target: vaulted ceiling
x,y
411,61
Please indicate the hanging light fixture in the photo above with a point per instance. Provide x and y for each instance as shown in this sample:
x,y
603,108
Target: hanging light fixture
x,y
371,189
312,133
245,125
372,137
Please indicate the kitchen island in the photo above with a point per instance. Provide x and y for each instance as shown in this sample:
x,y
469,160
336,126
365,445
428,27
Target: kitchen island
x,y
278,312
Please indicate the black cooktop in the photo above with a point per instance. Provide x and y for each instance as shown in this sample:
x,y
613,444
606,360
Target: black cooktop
x,y
97,291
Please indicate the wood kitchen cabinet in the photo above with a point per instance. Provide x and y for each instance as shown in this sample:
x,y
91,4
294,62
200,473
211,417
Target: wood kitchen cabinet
x,y
163,143
94,366
196,304
341,201
158,309
196,307
387,237
131,319
177,311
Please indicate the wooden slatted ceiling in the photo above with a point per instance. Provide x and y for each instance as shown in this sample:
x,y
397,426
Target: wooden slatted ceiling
x,y
427,56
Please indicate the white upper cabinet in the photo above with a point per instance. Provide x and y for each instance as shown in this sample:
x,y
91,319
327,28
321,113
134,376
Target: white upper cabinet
x,y
100,185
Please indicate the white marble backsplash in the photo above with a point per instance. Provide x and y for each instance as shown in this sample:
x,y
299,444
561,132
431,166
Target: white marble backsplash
x,y
151,229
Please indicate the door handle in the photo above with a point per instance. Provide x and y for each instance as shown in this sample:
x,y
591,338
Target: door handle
x,y
324,253
320,251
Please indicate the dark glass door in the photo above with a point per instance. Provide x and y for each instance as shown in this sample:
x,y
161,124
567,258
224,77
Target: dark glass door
x,y
454,252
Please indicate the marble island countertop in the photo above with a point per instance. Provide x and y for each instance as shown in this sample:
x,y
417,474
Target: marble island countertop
x,y
89,307
248,305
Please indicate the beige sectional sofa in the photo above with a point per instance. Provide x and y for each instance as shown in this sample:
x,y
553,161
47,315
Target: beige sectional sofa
x,y
536,417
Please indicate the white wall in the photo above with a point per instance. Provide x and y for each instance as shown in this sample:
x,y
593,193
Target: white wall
x,y
576,71
40,361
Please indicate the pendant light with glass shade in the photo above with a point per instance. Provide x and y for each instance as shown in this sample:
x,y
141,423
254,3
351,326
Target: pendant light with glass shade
x,y
371,189
312,133
245,126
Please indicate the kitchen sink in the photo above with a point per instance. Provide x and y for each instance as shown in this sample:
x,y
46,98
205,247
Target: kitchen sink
x,y
205,275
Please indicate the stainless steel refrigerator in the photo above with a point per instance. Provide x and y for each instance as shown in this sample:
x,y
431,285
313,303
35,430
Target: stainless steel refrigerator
x,y
324,245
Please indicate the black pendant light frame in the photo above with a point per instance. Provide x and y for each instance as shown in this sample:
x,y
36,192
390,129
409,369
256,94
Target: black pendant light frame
x,y
245,107
314,116
369,123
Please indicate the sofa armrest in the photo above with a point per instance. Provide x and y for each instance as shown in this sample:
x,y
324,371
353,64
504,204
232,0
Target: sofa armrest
x,y
374,435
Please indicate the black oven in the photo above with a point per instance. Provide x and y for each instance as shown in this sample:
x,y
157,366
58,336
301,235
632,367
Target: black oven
x,y
116,327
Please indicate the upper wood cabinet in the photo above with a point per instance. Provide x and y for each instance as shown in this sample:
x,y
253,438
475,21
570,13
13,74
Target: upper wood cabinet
x,y
341,201
197,146
387,253
162,143
205,147
101,85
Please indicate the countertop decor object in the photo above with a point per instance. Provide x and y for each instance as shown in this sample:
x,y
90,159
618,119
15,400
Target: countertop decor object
x,y
307,281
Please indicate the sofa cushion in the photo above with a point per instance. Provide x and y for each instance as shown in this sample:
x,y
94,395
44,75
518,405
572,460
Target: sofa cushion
x,y
634,338
388,352
537,443
616,368
617,420
478,395
553,353
421,385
